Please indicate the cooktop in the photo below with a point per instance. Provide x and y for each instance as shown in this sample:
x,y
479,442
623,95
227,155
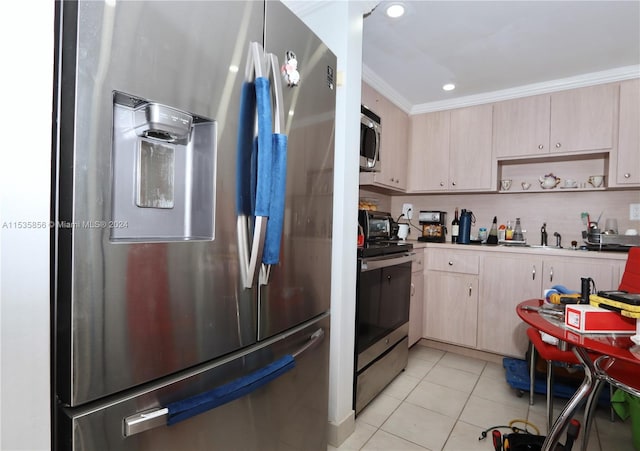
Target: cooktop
x,y
376,248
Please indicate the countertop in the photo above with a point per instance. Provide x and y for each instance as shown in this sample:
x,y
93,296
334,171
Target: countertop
x,y
564,252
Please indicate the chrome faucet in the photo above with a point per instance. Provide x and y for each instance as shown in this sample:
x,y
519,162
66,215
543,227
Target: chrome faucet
x,y
543,234
558,239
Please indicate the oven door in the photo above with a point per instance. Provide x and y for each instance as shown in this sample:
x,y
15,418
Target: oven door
x,y
383,296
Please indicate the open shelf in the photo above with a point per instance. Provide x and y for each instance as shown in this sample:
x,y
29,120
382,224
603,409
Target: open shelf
x,y
578,168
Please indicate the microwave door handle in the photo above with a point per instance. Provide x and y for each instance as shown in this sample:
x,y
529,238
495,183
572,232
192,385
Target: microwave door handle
x,y
376,156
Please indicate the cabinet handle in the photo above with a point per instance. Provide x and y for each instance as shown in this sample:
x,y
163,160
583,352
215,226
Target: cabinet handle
x,y
627,175
450,263
558,145
453,183
540,146
470,286
551,275
441,183
533,273
413,290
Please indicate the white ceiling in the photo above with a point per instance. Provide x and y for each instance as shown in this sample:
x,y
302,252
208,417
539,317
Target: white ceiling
x,y
494,50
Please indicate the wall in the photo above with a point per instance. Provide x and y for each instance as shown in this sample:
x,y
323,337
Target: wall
x,y
27,52
559,209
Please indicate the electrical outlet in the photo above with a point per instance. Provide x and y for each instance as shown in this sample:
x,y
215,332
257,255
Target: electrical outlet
x,y
634,212
407,210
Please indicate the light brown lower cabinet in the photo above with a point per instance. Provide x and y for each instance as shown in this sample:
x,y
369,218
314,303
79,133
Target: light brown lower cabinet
x,y
478,310
506,281
451,297
416,304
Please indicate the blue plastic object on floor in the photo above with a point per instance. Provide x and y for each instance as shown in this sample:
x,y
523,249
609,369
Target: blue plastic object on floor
x,y
517,374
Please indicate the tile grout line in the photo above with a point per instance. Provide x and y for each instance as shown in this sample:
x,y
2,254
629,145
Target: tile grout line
x,y
378,428
463,407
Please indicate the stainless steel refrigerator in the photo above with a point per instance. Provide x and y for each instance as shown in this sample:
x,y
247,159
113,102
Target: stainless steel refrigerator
x,y
192,211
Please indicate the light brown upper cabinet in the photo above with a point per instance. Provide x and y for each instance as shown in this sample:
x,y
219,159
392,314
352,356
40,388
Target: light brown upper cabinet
x,y
628,157
451,150
576,120
393,145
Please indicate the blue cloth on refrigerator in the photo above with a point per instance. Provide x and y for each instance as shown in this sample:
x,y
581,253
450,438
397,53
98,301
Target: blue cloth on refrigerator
x,y
195,405
265,149
271,255
254,161
246,124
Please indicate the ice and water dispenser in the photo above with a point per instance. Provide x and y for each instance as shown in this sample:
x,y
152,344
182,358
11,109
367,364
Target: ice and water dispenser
x,y
163,172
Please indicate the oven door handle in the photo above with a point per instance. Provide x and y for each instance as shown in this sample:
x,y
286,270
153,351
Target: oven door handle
x,y
371,263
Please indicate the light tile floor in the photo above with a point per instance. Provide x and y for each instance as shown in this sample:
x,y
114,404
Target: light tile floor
x,y
443,401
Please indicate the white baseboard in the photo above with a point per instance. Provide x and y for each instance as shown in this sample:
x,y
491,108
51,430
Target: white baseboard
x,y
482,355
339,432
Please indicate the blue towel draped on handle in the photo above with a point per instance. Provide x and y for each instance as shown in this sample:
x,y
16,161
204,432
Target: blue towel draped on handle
x,y
254,161
246,124
195,405
271,254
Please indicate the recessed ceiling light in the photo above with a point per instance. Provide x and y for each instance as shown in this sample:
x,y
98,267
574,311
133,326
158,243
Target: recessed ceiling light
x,y
395,10
449,87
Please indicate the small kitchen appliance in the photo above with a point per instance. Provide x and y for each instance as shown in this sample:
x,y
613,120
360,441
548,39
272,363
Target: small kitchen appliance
x,y
434,227
181,291
377,225
370,136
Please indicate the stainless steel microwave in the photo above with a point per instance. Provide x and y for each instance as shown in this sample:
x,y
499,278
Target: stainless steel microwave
x,y
370,132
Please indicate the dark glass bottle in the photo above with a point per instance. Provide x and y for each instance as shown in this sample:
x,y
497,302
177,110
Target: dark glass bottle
x,y
455,227
493,233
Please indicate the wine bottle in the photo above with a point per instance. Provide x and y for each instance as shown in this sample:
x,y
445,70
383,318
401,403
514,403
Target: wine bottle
x,y
493,233
455,227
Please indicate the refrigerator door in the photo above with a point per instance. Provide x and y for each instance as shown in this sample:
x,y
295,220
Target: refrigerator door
x,y
135,302
299,286
289,412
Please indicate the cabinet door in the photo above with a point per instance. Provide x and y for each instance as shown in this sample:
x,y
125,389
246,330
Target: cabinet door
x,y
568,272
394,143
628,164
470,159
428,168
583,119
505,283
394,147
521,126
416,308
451,308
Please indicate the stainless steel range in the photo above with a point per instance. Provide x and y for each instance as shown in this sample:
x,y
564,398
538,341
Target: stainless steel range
x,y
382,312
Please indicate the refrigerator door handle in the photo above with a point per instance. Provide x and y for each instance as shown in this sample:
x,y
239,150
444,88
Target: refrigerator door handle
x,y
184,409
271,253
256,102
273,69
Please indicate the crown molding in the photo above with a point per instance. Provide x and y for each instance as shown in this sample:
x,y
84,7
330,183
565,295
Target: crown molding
x,y
562,84
304,8
377,83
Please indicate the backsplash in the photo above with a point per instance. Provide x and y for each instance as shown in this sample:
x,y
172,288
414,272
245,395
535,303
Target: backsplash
x,y
560,210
